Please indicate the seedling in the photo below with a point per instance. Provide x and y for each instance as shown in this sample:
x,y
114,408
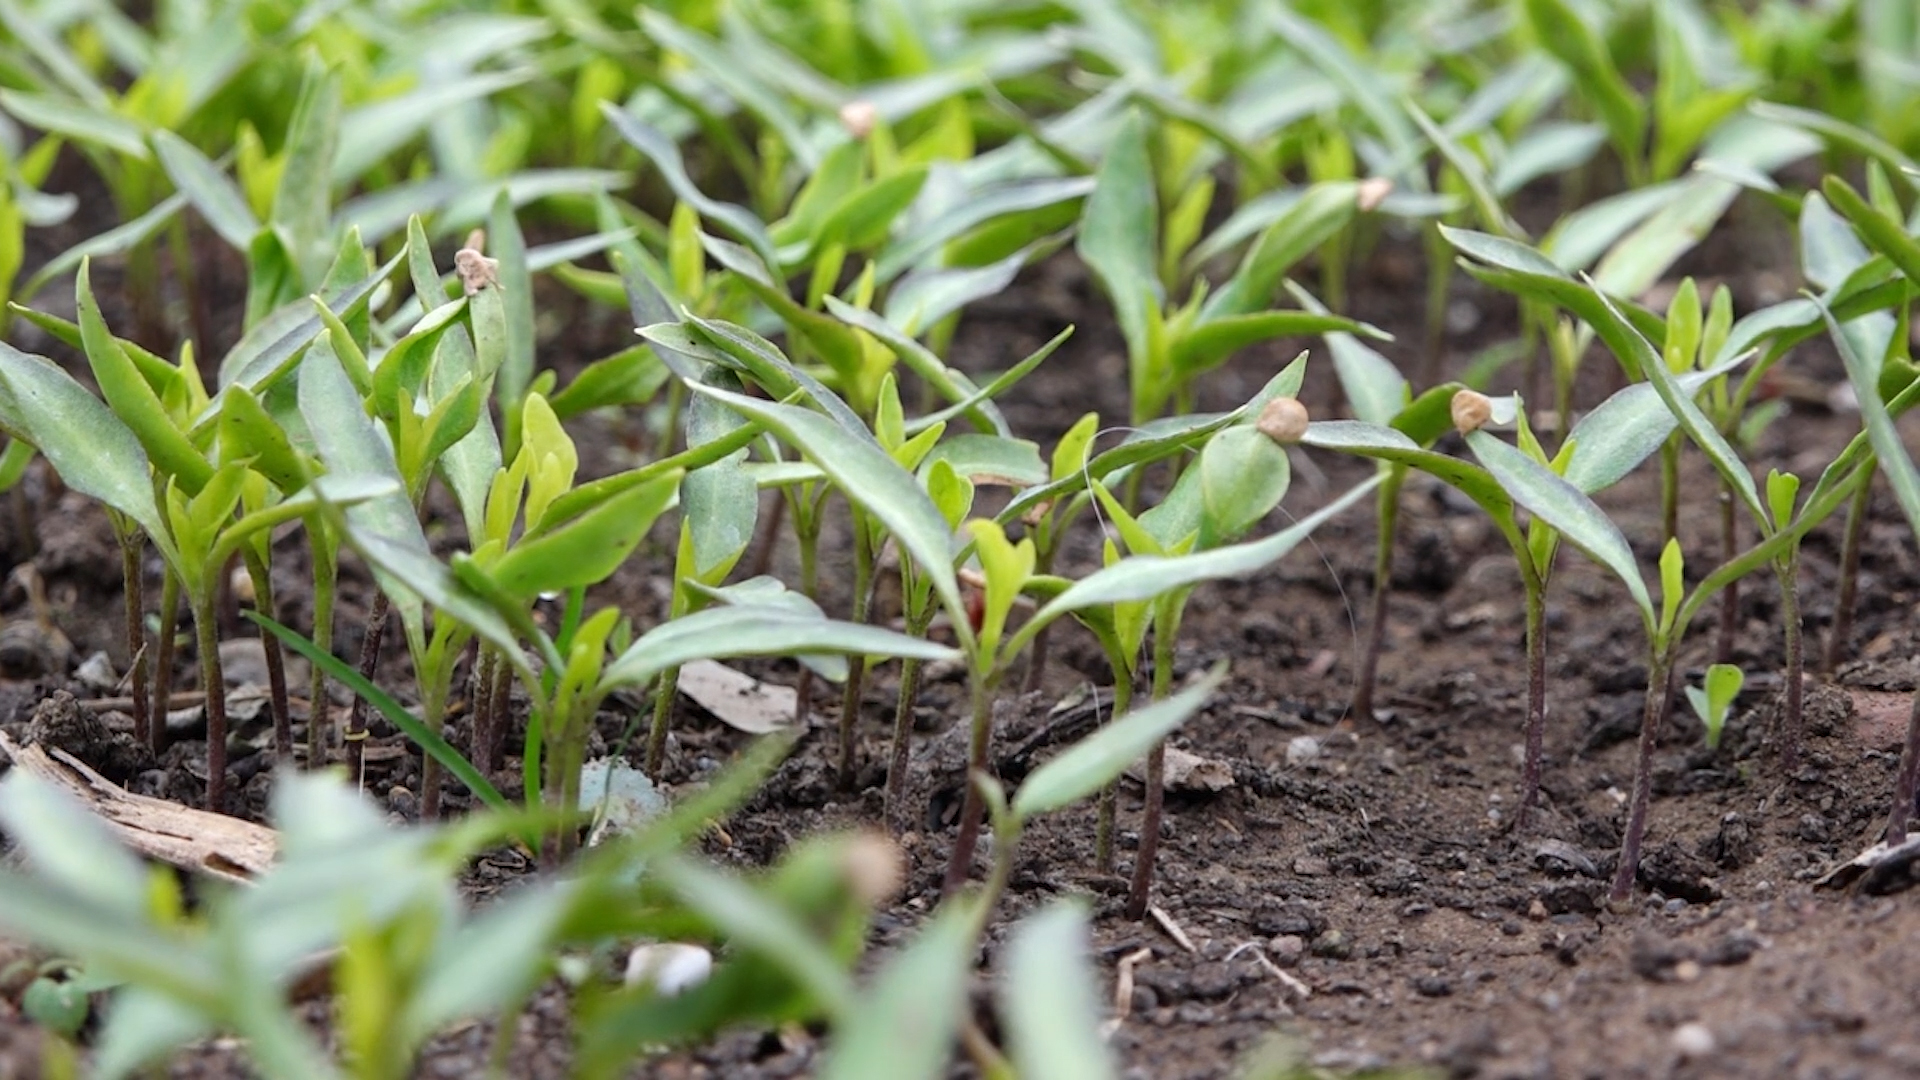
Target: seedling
x,y
1713,700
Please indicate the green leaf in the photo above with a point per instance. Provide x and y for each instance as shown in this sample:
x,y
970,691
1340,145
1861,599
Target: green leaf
x,y
918,301
1887,235
1713,701
1321,212
1243,475
1584,235
975,402
584,549
1545,149
1566,34
330,489
1038,199
404,367
1143,577
118,240
373,130
862,219
870,479
718,633
1624,430
84,124
1118,229
69,848
1896,461
1362,85
1209,343
515,293
1634,351
1553,500
133,400
304,196
218,198
1150,442
1100,758
349,443
91,449
632,376
1645,255
991,460
1047,999
489,963
1673,582
665,155
1388,444
903,1027
430,741
760,360
270,348
721,501
1840,133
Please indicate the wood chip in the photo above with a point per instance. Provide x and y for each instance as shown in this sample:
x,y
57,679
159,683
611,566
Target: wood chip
x,y
1123,990
737,700
1188,771
1172,929
1287,980
196,840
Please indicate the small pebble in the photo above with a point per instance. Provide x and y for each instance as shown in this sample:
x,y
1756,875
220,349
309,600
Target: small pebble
x,y
1286,949
1302,749
1687,971
1333,945
668,967
1693,1040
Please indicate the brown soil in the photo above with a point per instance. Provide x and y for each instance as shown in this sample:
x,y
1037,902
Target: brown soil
x,y
1358,888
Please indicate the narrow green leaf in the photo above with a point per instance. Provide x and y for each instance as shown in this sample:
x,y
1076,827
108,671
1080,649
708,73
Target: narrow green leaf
x,y
1388,444
203,183
70,848
869,478
1566,34
1362,85
1561,505
118,240
1624,430
1118,230
270,349
903,1027
1320,212
1047,999
132,399
84,124
304,196
515,293
430,741
1635,350
1210,343
1896,461
1100,758
665,156
1887,235
756,630
1143,577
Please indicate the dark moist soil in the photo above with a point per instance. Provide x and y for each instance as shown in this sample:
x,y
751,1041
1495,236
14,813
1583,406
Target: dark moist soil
x,y
1357,889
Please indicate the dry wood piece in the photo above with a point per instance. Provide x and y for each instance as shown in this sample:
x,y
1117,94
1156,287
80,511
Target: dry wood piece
x,y
190,839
